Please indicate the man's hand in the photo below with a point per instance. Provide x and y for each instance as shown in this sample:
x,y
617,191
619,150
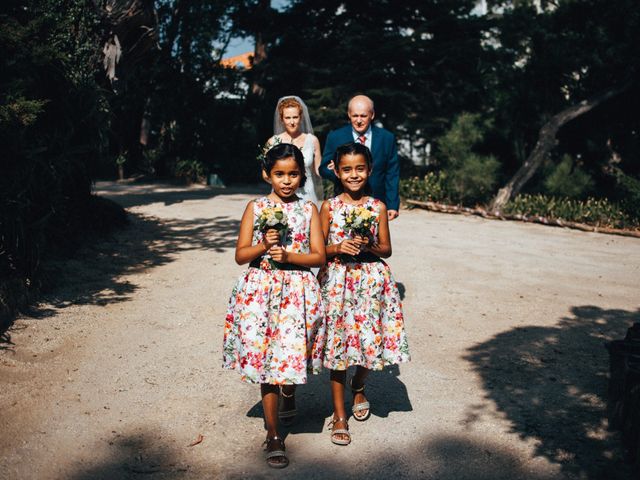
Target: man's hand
x,y
391,214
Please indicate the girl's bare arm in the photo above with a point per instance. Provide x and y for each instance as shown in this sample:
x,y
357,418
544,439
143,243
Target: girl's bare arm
x,y
316,256
382,247
245,252
349,246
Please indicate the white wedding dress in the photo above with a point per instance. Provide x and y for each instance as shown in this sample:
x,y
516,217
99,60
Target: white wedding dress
x,y
312,189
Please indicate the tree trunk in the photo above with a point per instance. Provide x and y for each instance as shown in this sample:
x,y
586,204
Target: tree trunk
x,y
129,52
133,23
546,142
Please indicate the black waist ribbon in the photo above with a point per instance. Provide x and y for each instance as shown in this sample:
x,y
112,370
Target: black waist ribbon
x,y
279,266
362,257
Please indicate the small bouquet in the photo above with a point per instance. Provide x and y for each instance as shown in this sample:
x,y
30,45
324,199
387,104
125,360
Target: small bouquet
x,y
360,221
273,218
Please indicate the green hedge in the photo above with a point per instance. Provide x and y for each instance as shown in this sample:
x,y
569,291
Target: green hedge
x,y
592,211
598,212
431,188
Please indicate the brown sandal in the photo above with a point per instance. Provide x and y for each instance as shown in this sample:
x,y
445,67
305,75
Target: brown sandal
x,y
273,456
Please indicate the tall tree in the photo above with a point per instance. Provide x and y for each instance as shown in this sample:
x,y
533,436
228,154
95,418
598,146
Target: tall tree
x,y
53,125
561,62
130,48
419,60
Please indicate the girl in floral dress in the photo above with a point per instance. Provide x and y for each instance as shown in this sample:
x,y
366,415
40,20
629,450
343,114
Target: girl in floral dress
x,y
274,328
365,326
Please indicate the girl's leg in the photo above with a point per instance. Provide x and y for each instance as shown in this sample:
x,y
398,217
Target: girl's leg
x,y
338,380
270,406
360,376
357,387
287,410
274,441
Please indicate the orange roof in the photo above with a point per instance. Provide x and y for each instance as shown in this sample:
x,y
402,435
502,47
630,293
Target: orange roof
x,y
244,60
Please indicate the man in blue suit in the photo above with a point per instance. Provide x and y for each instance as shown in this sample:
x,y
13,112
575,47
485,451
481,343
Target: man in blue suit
x,y
385,178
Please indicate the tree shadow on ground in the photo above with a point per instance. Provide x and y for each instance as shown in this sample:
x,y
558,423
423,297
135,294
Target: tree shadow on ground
x,y
97,274
439,457
551,383
5,341
136,195
385,391
134,457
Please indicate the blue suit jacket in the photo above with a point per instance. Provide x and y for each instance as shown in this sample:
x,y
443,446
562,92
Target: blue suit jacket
x,y
385,178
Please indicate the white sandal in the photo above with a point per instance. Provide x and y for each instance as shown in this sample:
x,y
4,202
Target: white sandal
x,y
358,407
339,431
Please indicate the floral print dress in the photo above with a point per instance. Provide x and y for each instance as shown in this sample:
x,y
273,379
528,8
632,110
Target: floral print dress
x,y
274,328
365,325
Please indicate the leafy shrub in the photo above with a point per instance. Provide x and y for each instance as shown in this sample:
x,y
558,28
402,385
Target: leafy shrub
x,y
190,170
629,192
431,188
53,123
592,211
568,180
471,177
327,188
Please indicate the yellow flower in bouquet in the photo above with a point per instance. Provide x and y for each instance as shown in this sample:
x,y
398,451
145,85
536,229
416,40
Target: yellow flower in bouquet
x,y
272,217
360,221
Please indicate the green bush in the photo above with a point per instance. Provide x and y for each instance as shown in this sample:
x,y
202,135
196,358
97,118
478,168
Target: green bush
x,y
327,188
190,170
471,177
568,180
629,192
597,212
53,124
431,188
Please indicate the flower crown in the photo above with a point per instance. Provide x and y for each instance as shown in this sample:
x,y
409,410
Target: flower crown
x,y
263,149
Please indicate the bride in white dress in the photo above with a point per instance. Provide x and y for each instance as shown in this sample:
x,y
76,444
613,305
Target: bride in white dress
x,y
291,124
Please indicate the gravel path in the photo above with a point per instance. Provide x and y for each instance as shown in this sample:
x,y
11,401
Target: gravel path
x,y
118,372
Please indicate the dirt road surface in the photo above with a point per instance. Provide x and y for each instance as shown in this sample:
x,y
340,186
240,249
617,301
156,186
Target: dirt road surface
x,y
118,373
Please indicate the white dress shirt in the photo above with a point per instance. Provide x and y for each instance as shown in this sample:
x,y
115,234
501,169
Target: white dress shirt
x,y
367,134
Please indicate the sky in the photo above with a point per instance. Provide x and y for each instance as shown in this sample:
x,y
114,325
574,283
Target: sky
x,y
238,46
242,45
